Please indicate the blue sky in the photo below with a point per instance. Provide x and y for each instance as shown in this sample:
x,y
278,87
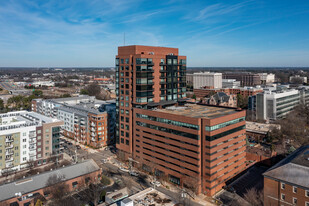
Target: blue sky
x,y
210,33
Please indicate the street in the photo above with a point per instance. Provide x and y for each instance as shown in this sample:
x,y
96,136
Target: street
x,y
110,166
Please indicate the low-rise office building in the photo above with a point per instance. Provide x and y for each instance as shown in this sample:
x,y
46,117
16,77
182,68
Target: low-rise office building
x,y
27,136
287,182
244,91
25,191
203,144
86,119
245,78
230,83
272,105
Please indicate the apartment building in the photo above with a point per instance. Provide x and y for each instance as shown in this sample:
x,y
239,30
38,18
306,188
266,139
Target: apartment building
x,y
245,78
196,142
272,105
145,75
287,182
86,119
207,79
27,136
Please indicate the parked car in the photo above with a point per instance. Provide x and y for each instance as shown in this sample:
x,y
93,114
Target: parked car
x,y
78,147
156,183
132,173
123,169
70,143
104,160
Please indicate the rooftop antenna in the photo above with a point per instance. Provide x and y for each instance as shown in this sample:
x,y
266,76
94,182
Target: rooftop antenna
x,y
124,39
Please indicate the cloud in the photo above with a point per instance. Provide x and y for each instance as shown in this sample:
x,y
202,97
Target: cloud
x,y
217,10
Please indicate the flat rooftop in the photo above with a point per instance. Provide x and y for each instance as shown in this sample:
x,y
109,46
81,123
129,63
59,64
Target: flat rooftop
x,y
149,196
260,127
198,111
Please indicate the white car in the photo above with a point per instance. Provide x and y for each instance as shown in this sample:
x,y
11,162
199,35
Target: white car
x,y
156,183
132,173
123,169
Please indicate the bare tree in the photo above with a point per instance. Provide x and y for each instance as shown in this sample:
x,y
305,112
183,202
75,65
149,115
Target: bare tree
x,y
191,183
254,197
57,187
92,193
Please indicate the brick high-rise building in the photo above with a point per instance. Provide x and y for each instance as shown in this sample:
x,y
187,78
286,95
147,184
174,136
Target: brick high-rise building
x,y
203,145
145,74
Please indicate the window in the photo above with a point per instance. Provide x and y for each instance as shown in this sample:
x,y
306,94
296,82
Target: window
x,y
294,200
307,193
127,142
24,140
225,124
307,203
294,189
282,196
282,185
74,184
39,131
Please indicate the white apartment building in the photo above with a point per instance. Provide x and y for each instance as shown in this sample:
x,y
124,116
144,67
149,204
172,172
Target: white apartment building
x,y
209,79
267,78
26,136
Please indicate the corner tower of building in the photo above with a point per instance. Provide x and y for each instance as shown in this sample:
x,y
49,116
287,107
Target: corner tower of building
x,y
145,74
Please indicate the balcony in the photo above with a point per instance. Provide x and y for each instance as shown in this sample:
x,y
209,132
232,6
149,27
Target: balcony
x,y
10,146
92,129
32,141
9,165
31,148
8,153
93,134
32,134
7,140
31,154
11,159
93,124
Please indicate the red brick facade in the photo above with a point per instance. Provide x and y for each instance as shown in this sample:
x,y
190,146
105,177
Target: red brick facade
x,y
273,193
211,163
